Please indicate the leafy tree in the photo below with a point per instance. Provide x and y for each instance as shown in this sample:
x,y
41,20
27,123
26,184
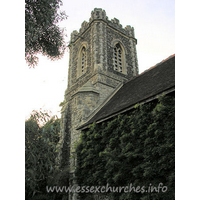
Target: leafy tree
x,y
42,33
41,139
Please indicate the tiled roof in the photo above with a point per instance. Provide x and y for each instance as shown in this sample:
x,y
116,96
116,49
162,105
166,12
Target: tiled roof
x,y
152,82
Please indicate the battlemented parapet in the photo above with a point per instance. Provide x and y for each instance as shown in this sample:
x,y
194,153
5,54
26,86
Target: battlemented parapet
x,y
99,14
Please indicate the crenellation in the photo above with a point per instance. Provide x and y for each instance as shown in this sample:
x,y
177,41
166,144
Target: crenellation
x,y
84,26
130,31
115,21
116,24
74,36
98,13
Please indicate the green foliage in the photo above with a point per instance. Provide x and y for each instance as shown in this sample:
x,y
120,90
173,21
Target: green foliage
x,y
42,33
136,148
41,139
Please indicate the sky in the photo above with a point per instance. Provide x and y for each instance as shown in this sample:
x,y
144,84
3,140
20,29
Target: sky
x,y
154,24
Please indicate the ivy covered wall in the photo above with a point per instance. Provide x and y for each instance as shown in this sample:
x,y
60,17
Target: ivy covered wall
x,y
136,148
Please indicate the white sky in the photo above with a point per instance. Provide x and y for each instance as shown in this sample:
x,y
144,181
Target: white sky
x,y
154,24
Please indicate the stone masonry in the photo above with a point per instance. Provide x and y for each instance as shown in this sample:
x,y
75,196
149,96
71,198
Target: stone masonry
x,y
91,83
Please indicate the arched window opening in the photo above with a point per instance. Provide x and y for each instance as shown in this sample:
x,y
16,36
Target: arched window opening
x,y
118,58
83,60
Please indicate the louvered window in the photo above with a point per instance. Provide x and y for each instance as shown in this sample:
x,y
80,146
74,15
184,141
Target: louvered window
x,y
83,60
118,58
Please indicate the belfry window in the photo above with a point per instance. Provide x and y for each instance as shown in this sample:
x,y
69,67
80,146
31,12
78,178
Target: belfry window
x,y
83,60
118,58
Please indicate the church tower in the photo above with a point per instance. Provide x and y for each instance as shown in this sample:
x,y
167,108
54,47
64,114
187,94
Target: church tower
x,y
102,56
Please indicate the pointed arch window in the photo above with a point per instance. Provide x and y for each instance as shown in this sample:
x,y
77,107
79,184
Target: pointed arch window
x,y
118,57
83,60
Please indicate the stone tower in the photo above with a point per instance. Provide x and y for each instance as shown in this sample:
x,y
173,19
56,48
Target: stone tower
x,y
102,56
